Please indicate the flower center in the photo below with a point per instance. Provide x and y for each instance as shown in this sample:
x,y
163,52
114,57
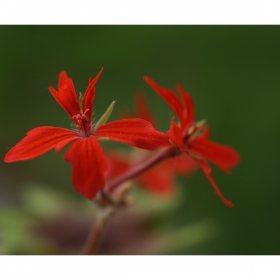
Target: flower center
x,y
194,131
82,123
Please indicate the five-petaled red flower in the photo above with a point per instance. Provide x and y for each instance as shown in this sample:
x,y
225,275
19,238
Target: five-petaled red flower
x,y
193,138
159,179
89,164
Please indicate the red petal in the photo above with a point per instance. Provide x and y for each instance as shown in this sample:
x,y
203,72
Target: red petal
x,y
40,140
142,109
89,95
134,132
66,95
205,135
189,107
117,163
159,180
88,166
175,134
182,164
207,171
223,156
170,98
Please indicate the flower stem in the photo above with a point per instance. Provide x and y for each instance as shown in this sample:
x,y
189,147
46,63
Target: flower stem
x,y
140,168
92,244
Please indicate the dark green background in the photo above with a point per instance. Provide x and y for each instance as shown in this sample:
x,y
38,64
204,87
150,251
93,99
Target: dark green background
x,y
233,73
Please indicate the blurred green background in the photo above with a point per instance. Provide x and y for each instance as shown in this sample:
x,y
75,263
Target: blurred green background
x,y
233,74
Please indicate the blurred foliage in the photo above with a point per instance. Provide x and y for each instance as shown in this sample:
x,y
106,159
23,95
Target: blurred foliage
x,y
233,75
49,223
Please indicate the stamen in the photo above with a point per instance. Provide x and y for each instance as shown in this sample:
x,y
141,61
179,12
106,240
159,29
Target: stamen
x,y
81,116
81,121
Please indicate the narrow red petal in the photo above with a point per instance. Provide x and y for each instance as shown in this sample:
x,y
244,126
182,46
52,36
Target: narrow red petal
x,y
161,178
40,140
142,109
89,96
158,180
117,163
89,166
182,164
189,106
66,95
205,135
223,156
170,98
175,134
207,171
134,132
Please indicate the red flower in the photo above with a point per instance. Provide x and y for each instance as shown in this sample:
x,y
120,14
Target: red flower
x,y
193,138
159,179
89,163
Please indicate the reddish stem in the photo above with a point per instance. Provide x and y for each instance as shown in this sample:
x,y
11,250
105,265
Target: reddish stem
x,y
141,168
94,237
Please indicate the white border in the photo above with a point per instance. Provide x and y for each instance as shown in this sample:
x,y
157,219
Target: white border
x,y
141,267
139,12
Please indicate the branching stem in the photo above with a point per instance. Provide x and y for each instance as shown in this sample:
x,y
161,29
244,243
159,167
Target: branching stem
x,y
141,168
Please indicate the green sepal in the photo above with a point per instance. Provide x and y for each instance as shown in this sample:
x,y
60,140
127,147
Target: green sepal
x,y
105,116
